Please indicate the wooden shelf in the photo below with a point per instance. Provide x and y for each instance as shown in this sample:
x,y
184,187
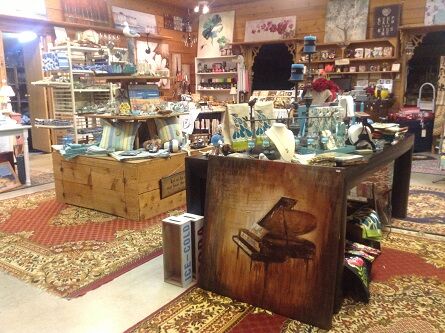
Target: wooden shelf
x,y
364,41
218,73
352,60
131,78
278,41
135,118
358,73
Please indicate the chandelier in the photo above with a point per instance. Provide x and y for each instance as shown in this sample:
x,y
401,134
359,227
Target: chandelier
x,y
203,6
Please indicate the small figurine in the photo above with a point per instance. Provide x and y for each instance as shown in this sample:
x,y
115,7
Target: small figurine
x,y
217,141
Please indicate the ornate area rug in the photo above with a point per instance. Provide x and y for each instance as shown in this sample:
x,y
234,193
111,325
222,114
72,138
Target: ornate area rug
x,y
407,295
429,166
69,250
426,211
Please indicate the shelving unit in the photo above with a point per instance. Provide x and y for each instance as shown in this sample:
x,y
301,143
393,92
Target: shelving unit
x,y
341,53
15,79
223,72
67,99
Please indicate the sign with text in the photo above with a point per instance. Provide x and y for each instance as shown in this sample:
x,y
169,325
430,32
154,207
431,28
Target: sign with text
x,y
386,21
172,184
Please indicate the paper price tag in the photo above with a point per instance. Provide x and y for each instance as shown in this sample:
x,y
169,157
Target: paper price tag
x,y
423,134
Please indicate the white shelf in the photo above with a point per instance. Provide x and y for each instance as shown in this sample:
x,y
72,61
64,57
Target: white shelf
x,y
218,73
220,57
75,48
91,90
53,126
214,90
52,84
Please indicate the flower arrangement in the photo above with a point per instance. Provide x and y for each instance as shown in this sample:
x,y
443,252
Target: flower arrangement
x,y
322,84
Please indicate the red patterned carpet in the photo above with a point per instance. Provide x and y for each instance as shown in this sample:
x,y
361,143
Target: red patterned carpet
x,y
70,250
426,211
407,296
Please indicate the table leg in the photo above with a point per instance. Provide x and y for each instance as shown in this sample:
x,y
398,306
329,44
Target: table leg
x,y
26,156
400,184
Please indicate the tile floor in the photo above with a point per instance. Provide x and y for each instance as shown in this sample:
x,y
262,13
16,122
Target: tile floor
x,y
113,307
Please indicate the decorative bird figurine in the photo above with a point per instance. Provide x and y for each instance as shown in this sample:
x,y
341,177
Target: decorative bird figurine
x,y
129,32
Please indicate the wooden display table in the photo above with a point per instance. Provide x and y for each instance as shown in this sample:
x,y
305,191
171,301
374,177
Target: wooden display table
x,y
307,284
128,189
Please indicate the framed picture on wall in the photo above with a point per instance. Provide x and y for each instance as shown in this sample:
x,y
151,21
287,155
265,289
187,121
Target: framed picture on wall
x,y
138,21
386,21
93,13
215,33
346,20
270,29
434,12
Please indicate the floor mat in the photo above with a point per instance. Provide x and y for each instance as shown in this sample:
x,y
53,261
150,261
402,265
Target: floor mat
x,y
426,211
70,250
407,295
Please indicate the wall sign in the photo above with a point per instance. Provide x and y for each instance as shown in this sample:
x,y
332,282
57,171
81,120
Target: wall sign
x,y
386,21
172,184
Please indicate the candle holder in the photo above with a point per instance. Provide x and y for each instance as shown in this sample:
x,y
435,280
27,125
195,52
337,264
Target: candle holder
x,y
296,76
309,48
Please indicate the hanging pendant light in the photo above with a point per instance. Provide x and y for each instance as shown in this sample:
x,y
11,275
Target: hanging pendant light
x,y
202,6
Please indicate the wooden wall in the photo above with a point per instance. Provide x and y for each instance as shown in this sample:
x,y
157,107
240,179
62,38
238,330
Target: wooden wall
x,y
311,14
55,13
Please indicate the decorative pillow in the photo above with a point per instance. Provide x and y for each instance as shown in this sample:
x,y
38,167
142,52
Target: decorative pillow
x,y
118,135
237,128
168,129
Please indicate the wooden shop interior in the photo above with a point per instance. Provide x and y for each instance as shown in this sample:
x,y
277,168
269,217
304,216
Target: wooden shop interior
x,y
286,137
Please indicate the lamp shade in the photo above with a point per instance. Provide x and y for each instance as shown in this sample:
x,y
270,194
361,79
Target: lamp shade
x,y
7,91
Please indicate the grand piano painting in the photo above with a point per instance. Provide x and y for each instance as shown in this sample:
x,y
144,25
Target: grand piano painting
x,y
277,236
270,237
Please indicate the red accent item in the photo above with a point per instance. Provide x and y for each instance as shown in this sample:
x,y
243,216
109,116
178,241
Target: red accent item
x,y
410,113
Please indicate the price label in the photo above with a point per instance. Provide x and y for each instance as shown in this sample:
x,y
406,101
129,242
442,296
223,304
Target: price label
x,y
423,134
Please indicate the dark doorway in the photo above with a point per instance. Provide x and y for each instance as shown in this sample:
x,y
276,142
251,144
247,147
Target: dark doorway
x,y
424,66
272,68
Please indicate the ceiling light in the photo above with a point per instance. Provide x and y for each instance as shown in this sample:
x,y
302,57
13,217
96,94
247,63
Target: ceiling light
x,y
26,36
203,6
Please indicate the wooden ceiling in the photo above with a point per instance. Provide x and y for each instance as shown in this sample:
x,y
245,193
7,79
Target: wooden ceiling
x,y
192,3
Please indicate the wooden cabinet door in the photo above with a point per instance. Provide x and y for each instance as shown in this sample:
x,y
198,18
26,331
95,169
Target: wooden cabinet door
x,y
38,106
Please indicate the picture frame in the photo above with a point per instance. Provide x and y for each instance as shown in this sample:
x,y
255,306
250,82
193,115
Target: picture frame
x,y
8,178
386,21
395,68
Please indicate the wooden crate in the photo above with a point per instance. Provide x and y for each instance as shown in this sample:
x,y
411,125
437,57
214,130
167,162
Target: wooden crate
x,y
177,246
127,189
197,223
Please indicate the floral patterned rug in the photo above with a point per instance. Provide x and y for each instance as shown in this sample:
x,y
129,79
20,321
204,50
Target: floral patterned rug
x,y
407,295
426,211
428,166
69,250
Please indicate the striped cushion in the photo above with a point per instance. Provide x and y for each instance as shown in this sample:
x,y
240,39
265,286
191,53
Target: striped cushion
x,y
119,135
168,129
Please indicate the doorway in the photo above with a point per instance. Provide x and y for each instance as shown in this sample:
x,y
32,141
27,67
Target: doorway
x,y
270,73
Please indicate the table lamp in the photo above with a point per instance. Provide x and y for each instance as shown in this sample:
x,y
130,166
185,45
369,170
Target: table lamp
x,y
6,92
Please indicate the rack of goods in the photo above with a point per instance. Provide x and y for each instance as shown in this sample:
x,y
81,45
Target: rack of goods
x,y
217,77
357,59
70,78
